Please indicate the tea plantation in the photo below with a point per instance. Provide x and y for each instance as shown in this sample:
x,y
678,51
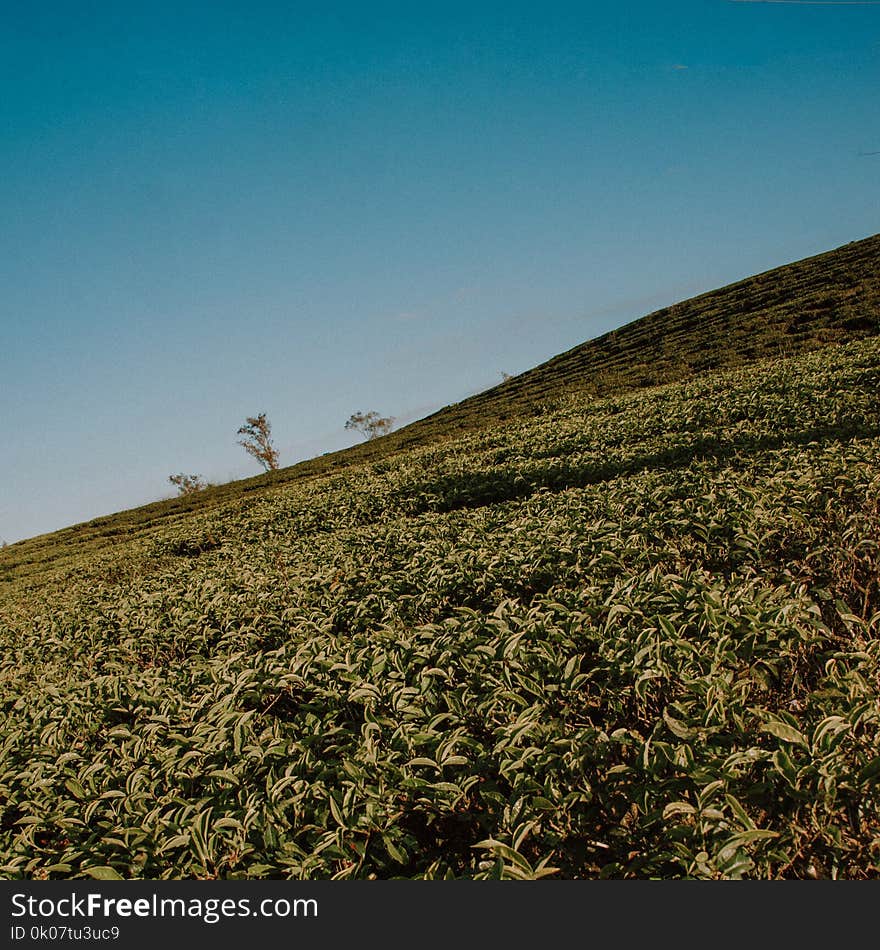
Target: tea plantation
x,y
626,636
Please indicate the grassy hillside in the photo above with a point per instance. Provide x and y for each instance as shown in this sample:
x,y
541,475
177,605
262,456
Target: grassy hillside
x,y
831,298
632,635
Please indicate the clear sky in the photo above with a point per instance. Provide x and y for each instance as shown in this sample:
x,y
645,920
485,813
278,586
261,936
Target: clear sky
x,y
211,210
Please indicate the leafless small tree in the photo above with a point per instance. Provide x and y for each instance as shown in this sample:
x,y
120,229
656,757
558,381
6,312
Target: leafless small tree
x,y
257,441
370,424
187,484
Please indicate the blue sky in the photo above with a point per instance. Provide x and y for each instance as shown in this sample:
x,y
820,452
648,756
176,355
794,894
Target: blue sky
x,y
231,208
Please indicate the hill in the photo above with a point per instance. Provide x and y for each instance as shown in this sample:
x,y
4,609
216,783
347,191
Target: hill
x,y
624,634
830,298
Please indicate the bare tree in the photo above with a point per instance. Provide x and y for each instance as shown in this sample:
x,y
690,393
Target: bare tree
x,y
370,424
257,441
187,484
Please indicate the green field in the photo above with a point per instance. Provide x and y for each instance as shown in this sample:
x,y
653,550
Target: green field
x,y
612,629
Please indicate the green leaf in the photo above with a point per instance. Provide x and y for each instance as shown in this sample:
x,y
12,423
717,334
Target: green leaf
x,y
337,812
785,766
740,812
104,873
226,774
785,732
395,853
679,728
75,788
176,842
678,808
501,850
667,627
747,837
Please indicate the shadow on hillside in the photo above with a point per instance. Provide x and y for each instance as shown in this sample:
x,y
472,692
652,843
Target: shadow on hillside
x,y
480,489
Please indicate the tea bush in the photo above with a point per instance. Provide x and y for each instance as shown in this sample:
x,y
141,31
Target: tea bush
x,y
631,637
